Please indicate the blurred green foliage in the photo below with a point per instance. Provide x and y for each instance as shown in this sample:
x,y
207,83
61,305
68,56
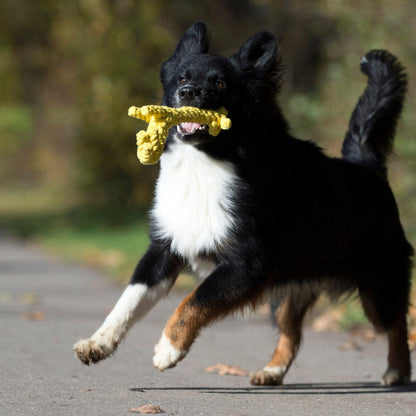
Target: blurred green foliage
x,y
69,70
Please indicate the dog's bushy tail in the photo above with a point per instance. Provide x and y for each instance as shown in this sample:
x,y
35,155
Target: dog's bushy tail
x,y
369,140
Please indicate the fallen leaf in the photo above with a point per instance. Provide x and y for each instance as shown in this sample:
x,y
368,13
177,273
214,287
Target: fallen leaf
x,y
224,369
350,345
29,299
147,409
412,339
107,258
365,333
33,316
412,312
327,321
5,297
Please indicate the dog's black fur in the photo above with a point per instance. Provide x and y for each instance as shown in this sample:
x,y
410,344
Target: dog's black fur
x,y
299,222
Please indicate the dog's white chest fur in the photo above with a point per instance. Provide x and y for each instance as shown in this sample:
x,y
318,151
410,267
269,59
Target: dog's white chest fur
x,y
193,204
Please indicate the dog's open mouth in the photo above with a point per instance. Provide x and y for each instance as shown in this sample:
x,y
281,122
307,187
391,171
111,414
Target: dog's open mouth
x,y
191,129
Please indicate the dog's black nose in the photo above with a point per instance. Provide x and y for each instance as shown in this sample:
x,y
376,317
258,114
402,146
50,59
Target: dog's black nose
x,y
188,93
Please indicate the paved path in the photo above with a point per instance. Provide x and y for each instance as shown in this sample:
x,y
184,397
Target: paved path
x,y
46,305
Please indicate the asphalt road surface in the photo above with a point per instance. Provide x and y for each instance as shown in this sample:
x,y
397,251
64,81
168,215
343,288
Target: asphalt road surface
x,y
47,305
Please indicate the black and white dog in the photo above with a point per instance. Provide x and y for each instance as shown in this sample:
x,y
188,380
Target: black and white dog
x,y
255,211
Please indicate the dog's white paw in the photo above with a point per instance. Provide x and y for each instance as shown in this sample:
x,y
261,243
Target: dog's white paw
x,y
166,355
393,377
91,351
269,376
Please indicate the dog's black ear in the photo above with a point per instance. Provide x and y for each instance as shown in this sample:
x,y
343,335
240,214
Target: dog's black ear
x,y
259,53
194,41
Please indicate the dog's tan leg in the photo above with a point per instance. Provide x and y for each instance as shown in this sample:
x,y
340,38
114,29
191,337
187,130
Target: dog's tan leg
x,y
180,332
289,318
398,359
182,329
211,301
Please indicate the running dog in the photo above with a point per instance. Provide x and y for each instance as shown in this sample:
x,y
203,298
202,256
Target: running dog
x,y
256,212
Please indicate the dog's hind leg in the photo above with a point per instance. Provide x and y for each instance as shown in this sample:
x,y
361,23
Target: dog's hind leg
x,y
399,367
384,290
289,316
152,279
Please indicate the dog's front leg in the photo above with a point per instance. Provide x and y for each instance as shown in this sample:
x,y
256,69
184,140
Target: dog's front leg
x,y
224,291
151,280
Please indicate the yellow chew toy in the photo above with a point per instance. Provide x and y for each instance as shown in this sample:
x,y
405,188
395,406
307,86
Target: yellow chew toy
x,y
150,143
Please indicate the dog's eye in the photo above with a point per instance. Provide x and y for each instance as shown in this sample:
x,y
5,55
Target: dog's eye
x,y
220,84
182,80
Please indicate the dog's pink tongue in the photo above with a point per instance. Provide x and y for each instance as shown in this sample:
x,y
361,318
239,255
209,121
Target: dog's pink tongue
x,y
190,128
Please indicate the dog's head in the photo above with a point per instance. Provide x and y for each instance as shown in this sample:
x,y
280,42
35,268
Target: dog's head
x,y
244,84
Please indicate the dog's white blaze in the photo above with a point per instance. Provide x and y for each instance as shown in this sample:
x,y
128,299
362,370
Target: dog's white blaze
x,y
193,205
134,303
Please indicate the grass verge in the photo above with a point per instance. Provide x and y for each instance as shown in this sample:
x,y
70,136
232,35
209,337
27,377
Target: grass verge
x,y
108,240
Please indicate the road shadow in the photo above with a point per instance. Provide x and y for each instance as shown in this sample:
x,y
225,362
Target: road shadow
x,y
301,389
